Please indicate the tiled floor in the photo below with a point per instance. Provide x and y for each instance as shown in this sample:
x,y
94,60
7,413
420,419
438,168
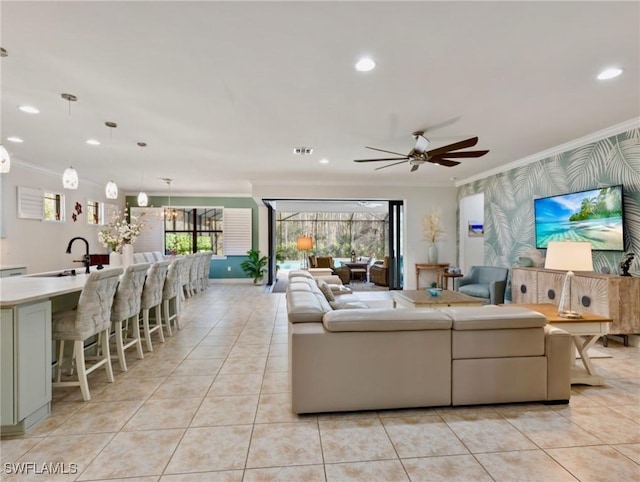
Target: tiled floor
x,y
211,404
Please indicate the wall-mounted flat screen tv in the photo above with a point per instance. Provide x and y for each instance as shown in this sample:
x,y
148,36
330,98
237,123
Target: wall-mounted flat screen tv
x,y
595,216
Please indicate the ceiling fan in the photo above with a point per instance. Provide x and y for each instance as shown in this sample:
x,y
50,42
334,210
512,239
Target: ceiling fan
x,y
419,154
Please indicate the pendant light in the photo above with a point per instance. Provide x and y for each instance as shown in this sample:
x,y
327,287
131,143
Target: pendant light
x,y
111,189
143,199
169,214
70,176
5,160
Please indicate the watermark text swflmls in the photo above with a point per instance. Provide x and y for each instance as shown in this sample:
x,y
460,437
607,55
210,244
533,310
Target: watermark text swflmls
x,y
46,468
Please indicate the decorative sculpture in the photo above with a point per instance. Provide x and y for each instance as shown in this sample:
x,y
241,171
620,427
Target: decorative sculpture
x,y
625,264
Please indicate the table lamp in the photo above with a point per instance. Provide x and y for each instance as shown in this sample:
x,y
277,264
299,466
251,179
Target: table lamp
x,y
304,244
569,256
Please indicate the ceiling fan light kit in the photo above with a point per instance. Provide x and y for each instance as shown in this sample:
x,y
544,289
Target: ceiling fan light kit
x,y
442,156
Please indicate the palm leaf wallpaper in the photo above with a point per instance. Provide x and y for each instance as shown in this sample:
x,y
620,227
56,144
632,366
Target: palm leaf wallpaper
x,y
509,218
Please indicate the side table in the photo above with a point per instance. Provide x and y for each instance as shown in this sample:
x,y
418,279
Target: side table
x,y
445,278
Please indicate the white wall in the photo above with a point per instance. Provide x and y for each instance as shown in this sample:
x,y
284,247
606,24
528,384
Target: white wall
x,y
418,201
471,248
41,245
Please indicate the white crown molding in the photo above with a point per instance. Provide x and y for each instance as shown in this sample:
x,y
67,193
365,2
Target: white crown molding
x,y
596,136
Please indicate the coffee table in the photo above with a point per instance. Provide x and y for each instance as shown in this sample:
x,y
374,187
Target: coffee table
x,y
422,299
585,332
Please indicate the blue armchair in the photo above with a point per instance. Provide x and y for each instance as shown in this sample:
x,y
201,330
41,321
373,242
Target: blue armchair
x,y
486,282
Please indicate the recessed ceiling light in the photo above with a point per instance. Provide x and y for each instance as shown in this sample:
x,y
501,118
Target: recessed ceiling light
x,y
609,73
365,64
29,109
93,142
14,139
324,161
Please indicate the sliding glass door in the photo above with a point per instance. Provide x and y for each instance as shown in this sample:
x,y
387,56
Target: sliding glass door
x,y
396,241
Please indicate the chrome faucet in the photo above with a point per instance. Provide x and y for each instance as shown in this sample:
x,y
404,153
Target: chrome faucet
x,y
86,259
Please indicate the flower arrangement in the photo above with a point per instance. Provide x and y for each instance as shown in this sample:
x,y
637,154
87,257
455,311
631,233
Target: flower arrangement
x,y
120,232
431,225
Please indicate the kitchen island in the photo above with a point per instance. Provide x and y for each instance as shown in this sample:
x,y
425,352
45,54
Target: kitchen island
x,y
26,304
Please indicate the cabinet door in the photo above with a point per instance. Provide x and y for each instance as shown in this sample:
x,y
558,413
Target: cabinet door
x,y
7,379
33,355
524,286
550,287
590,295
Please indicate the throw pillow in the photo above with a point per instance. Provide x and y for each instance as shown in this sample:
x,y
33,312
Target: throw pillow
x,y
339,289
326,290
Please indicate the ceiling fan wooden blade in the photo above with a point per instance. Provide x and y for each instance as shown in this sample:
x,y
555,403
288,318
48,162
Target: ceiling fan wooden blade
x,y
415,167
465,154
389,165
444,162
453,147
382,150
382,159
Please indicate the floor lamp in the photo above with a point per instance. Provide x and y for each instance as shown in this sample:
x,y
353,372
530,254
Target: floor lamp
x,y
304,244
568,256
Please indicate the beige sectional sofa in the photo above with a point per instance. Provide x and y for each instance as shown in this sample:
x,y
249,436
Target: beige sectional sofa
x,y
349,357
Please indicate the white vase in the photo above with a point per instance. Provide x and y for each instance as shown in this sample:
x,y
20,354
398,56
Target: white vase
x,y
127,255
432,254
115,259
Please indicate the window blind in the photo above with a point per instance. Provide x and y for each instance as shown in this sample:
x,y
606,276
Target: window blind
x,y
236,231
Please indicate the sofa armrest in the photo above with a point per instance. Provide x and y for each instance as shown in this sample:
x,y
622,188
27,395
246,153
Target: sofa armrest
x,y
496,292
557,348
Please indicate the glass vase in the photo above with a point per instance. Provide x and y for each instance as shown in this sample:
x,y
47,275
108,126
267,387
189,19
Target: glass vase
x,y
432,254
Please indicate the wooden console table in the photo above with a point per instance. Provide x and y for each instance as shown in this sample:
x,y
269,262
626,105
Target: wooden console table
x,y
438,268
585,332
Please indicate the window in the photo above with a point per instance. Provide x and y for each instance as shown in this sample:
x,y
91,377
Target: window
x,y
188,230
94,212
53,206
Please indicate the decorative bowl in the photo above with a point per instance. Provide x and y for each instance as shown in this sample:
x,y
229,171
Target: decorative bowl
x,y
434,291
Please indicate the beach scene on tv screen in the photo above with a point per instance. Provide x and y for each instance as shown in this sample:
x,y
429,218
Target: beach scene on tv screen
x,y
594,216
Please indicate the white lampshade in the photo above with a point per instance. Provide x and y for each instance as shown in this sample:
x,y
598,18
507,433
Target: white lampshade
x,y
569,256
143,200
5,160
111,190
70,178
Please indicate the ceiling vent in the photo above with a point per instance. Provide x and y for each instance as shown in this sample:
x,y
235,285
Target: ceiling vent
x,y
302,151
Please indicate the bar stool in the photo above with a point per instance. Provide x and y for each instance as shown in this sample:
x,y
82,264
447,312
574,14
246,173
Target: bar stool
x,y
185,275
171,295
91,317
126,307
194,274
205,268
152,298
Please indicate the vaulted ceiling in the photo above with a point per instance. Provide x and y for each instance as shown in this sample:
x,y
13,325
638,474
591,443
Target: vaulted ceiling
x,y
223,91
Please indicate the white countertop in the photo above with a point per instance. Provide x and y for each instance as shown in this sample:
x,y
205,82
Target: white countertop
x,y
25,289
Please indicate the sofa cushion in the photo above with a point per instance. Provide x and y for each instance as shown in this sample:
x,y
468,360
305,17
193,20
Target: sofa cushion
x,y
300,274
479,291
347,305
385,319
326,291
304,307
494,318
299,286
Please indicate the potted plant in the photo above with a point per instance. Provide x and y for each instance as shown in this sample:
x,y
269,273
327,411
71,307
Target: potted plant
x,y
254,266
